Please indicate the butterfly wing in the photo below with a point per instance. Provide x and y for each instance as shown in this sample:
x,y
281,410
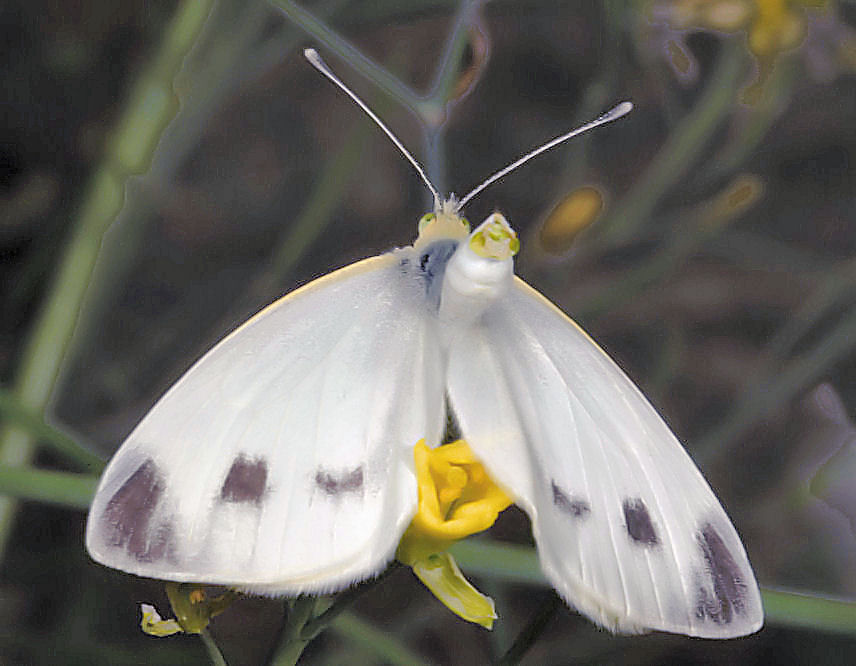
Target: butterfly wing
x,y
281,462
627,529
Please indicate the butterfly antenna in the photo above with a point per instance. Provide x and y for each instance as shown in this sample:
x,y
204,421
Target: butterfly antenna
x,y
613,114
313,57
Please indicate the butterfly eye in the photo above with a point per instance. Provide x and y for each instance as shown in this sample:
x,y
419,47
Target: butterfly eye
x,y
425,220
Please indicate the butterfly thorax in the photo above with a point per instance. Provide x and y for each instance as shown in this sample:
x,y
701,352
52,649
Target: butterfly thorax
x,y
461,273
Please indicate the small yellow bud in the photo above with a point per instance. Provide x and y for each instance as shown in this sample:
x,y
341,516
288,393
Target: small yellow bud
x,y
577,211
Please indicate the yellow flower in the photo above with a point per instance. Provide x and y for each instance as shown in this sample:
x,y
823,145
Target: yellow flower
x,y
457,498
777,26
771,26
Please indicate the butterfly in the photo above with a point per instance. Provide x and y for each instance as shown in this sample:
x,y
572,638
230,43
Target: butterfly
x,y
281,463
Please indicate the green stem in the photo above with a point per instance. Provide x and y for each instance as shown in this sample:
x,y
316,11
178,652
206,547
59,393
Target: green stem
x,y
302,626
776,388
72,491
314,217
640,277
515,563
214,653
502,561
342,601
760,118
804,610
34,424
325,197
531,632
292,643
279,45
212,69
151,104
352,55
445,79
834,287
340,604
681,150
378,643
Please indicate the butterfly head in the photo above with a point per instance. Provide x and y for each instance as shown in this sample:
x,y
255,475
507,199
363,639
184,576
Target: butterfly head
x,y
446,222
493,239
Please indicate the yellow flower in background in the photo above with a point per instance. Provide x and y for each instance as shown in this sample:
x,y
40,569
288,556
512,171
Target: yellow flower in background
x,y
772,27
778,25
576,211
457,498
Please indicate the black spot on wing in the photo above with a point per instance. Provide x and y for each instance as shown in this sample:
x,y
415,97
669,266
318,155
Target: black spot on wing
x,y
246,480
336,484
638,522
729,588
128,515
573,506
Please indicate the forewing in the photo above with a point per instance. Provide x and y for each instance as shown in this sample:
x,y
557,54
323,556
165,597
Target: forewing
x,y
627,529
281,462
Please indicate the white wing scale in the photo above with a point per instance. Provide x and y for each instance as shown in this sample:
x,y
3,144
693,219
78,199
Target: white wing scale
x,y
274,463
628,531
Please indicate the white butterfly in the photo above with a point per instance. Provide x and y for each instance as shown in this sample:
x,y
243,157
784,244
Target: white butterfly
x,y
282,461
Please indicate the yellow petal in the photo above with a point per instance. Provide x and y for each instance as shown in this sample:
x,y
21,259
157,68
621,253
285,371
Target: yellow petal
x,y
457,498
441,575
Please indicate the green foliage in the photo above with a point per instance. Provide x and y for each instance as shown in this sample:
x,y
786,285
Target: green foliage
x,y
223,160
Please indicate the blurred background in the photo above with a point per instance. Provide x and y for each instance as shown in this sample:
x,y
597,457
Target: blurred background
x,y
706,241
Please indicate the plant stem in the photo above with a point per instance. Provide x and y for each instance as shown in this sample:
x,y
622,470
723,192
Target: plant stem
x,y
214,652
150,106
776,388
73,491
348,52
34,423
326,196
805,610
292,644
531,632
680,151
379,643
434,109
515,563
